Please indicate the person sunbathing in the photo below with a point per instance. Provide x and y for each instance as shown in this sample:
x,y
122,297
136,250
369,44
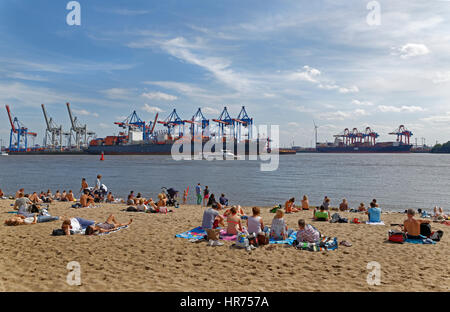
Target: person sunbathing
x,y
141,206
278,228
305,203
34,198
23,220
411,226
110,198
22,202
307,233
344,205
20,191
239,211
64,196
362,207
109,225
130,199
374,213
57,195
86,200
161,206
234,224
255,223
223,200
69,196
289,206
321,214
49,194
76,225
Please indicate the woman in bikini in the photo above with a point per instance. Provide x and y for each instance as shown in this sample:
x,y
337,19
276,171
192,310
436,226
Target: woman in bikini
x,y
234,224
289,206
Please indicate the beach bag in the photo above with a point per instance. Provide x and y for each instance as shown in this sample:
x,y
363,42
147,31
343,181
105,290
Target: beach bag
x,y
59,232
425,229
436,236
275,208
396,236
242,240
335,218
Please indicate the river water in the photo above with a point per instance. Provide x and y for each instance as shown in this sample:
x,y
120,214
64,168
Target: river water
x,y
397,181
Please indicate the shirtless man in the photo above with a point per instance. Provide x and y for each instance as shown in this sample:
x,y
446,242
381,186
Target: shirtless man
x,y
69,196
35,198
109,225
84,185
411,226
86,200
289,206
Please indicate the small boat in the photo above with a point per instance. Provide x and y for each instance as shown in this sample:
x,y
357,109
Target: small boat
x,y
226,154
4,154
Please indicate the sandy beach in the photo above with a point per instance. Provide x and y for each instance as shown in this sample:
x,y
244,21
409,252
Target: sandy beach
x,y
148,257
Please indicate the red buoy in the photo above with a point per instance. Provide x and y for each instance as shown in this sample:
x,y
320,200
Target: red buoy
x,y
102,157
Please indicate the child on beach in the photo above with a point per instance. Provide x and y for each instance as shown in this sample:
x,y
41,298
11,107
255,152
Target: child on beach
x,y
278,228
185,195
289,206
233,222
255,223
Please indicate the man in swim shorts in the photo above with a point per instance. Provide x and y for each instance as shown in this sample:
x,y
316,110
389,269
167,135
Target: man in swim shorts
x,y
110,224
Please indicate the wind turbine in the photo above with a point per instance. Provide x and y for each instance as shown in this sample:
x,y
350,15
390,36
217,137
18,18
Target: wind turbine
x,y
315,133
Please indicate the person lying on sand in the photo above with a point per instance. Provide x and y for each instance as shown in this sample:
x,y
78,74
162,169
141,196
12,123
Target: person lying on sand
x,y
86,200
411,226
307,233
109,225
75,224
278,228
321,214
289,206
22,220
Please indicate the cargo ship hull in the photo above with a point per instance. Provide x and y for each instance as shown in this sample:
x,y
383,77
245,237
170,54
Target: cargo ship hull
x,y
246,148
377,148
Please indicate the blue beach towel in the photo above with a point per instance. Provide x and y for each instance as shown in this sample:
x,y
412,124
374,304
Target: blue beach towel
x,y
423,240
288,240
116,230
196,233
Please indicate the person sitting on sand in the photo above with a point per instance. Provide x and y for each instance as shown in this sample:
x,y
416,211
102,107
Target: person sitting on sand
x,y
212,200
411,226
438,214
161,206
307,233
22,190
321,214
131,199
34,198
109,225
344,205
362,207
234,224
69,196
223,200
374,213
305,203
212,216
141,206
239,211
278,228
64,196
22,202
57,195
75,225
23,220
255,223
86,200
110,198
50,195
326,203
289,206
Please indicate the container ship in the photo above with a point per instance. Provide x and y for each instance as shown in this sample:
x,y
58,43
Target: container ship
x,y
365,142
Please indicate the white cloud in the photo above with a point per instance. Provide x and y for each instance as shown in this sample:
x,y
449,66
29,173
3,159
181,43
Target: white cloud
x,y
210,110
441,77
159,96
352,89
116,93
341,115
362,103
438,118
410,50
396,109
152,109
307,74
84,112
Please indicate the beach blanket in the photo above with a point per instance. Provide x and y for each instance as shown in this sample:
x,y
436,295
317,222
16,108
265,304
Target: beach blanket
x,y
375,223
59,232
288,240
196,233
325,243
422,240
225,236
113,231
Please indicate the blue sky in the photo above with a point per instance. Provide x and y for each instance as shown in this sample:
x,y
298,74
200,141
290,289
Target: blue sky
x,y
288,62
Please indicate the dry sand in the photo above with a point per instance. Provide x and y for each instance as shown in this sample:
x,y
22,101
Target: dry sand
x,y
147,257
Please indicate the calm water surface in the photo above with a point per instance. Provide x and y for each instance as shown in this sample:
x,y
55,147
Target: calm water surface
x,y
398,181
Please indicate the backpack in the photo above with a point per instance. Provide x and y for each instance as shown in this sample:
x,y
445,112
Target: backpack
x,y
425,229
436,236
59,232
396,236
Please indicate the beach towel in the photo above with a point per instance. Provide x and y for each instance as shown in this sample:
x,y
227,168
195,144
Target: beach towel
x,y
325,243
422,240
375,223
194,234
113,231
225,236
288,240
12,212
